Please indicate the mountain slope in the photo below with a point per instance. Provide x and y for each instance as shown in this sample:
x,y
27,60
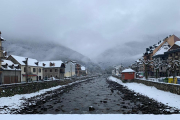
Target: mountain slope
x,y
47,51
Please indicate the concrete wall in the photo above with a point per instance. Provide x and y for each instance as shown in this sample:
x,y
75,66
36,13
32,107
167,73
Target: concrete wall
x,y
173,88
24,88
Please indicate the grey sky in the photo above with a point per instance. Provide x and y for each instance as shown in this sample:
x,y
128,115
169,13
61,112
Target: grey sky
x,y
89,26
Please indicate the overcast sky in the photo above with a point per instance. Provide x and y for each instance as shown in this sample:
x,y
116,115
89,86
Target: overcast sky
x,y
89,26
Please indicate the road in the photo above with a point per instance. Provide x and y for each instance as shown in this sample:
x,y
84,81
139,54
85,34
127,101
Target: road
x,y
97,96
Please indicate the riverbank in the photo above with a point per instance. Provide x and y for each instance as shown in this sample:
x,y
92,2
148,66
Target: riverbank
x,y
164,97
12,104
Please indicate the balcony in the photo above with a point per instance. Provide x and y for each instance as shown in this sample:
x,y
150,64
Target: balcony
x,y
176,56
170,57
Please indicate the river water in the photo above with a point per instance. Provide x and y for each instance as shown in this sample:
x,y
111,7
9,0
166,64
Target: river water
x,y
103,96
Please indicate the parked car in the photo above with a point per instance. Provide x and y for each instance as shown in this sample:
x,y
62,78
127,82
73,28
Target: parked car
x,y
140,76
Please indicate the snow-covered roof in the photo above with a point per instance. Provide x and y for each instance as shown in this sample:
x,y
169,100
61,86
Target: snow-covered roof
x,y
138,61
128,70
20,59
161,51
1,38
177,43
70,62
83,68
8,63
57,63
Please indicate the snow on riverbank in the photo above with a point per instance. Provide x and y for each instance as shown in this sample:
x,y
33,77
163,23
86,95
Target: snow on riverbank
x,y
15,101
90,117
164,97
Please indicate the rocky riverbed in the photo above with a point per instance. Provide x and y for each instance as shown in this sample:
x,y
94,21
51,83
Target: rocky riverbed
x,y
97,96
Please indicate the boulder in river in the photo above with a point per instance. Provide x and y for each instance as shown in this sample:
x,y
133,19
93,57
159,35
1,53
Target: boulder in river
x,y
91,108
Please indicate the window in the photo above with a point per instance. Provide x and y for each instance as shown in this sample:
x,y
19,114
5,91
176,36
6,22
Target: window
x,y
50,70
39,69
24,69
45,70
61,70
56,70
34,69
161,68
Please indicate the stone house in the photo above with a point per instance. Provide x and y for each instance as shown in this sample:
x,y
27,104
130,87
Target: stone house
x,y
11,73
30,68
54,69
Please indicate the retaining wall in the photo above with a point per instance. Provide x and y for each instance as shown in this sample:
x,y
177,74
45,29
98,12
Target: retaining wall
x,y
173,88
24,88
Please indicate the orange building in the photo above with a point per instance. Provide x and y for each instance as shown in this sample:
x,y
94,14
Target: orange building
x,y
128,74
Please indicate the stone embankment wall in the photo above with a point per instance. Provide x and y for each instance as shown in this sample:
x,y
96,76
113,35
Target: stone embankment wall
x,y
173,88
24,88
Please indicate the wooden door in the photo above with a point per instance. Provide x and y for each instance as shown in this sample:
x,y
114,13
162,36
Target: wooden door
x,y
7,80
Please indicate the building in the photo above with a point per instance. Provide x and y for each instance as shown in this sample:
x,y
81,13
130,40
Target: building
x,y
70,69
138,67
83,71
128,74
156,49
30,68
54,69
11,73
77,69
159,57
117,70
1,54
172,55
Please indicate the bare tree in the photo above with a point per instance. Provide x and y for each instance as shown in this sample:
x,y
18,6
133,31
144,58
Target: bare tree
x,y
146,64
156,63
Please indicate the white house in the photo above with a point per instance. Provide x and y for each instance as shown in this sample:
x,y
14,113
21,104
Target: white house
x,y
69,69
53,69
30,68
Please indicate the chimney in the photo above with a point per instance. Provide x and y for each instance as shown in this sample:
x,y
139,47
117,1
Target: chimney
x,y
37,63
44,64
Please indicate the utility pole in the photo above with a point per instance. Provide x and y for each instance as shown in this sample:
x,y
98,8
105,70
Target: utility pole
x,y
71,70
26,68
15,74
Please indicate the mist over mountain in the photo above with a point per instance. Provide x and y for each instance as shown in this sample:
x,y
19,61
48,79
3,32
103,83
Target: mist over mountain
x,y
46,50
128,52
